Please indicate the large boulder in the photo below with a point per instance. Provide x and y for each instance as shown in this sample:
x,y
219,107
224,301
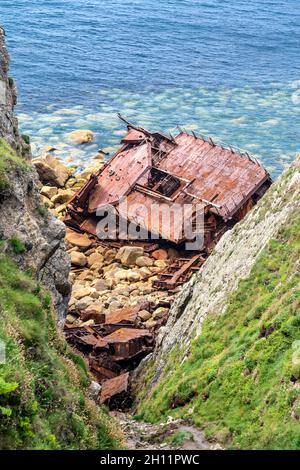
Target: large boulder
x,y
129,254
51,170
81,136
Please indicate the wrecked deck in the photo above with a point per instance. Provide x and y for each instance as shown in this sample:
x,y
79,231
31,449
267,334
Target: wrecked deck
x,y
167,184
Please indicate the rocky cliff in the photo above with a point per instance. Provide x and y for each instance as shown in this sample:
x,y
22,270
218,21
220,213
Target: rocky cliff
x,y
29,233
225,357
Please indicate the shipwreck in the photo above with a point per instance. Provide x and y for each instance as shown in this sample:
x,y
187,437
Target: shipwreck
x,y
170,172
165,174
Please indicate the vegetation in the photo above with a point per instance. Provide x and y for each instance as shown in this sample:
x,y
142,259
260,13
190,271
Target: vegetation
x,y
241,379
178,438
8,160
17,245
42,210
43,403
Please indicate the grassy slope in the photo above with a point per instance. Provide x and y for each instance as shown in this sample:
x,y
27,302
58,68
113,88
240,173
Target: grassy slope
x,y
42,384
8,160
239,384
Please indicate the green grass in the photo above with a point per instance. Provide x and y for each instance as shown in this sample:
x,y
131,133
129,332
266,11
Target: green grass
x,y
17,245
42,210
8,161
43,384
239,381
178,438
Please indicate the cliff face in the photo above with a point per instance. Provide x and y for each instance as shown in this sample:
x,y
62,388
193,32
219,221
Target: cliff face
x,y
209,290
225,357
29,233
8,99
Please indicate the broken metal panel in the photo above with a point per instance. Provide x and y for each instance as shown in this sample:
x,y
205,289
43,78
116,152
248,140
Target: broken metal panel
x,y
217,171
179,272
84,339
127,343
103,367
114,392
120,175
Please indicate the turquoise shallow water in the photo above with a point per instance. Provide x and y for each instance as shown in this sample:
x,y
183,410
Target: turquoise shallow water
x,y
225,69
250,119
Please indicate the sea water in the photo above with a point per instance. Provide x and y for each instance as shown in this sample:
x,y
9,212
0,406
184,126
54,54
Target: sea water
x,y
225,69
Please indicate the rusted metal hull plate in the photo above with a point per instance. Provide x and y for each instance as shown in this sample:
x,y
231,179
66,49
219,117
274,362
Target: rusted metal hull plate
x,y
153,170
114,387
126,343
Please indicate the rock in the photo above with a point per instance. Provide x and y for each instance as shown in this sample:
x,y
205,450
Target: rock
x,y
95,307
78,259
81,136
160,254
99,156
144,315
84,303
90,251
70,318
115,305
133,276
160,264
94,294
95,258
160,312
149,324
94,390
80,293
47,202
60,209
111,267
51,171
110,255
49,191
88,323
144,261
97,269
118,274
83,275
99,285
63,196
78,239
129,254
145,272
